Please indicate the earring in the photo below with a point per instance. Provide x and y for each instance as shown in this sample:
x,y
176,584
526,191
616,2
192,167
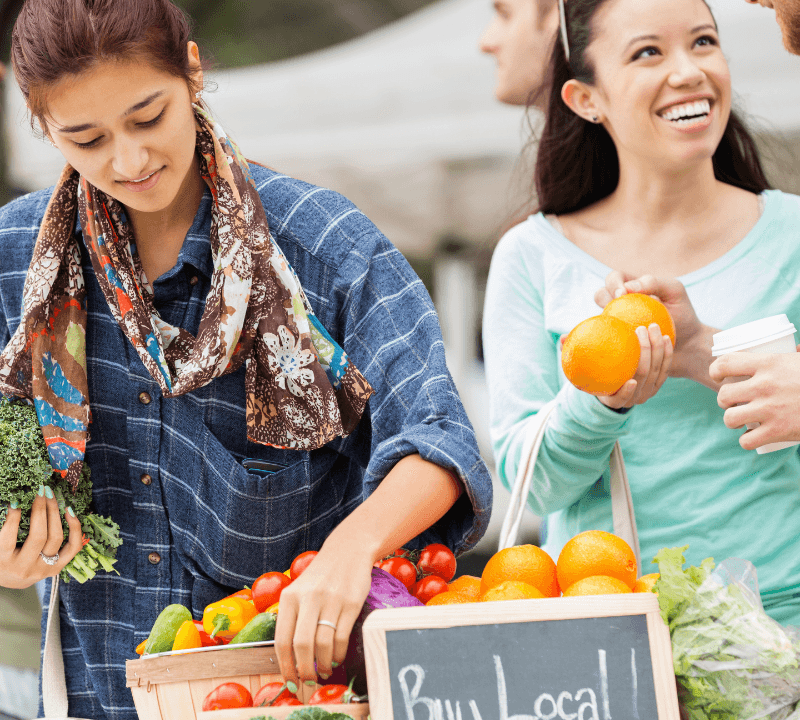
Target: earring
x,y
198,96
49,141
594,118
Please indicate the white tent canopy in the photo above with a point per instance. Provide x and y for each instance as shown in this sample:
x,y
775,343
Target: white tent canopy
x,y
383,118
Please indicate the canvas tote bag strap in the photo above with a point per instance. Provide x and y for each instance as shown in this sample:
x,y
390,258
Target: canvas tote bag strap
x,y
621,501
54,686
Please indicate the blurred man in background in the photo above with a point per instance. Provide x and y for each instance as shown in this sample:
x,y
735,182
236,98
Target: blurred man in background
x,y
521,36
787,13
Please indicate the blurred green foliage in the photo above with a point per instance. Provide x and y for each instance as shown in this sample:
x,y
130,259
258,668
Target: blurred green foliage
x,y
234,33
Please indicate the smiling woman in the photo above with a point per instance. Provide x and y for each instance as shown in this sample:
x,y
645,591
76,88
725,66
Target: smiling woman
x,y
647,182
206,314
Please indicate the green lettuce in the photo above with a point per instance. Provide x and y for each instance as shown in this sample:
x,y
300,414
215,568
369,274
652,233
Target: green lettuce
x,y
732,661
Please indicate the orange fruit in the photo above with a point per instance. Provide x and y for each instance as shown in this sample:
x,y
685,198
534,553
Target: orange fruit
x,y
646,582
597,585
526,563
467,585
600,354
595,552
448,598
640,309
511,590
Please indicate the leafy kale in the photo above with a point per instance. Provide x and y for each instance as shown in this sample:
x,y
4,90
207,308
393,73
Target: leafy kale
x,y
25,466
732,661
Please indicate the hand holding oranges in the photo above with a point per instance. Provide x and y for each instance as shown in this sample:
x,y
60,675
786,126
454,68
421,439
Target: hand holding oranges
x,y
624,354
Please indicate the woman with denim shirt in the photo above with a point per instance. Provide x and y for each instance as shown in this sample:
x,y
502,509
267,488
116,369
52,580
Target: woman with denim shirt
x,y
280,326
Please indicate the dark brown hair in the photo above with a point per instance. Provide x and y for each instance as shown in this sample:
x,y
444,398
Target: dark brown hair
x,y
577,163
53,39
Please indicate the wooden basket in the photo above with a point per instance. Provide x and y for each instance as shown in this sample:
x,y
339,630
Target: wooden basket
x,y
173,687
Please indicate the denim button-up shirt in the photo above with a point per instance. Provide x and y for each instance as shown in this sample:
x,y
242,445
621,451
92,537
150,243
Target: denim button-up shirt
x,y
169,470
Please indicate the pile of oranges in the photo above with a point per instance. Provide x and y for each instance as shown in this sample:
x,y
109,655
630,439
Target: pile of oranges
x,y
602,353
592,563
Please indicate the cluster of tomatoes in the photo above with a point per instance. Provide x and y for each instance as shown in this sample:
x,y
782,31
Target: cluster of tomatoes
x,y
267,588
274,694
425,572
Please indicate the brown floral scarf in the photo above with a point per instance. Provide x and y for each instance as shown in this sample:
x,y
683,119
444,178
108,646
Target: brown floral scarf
x,y
302,391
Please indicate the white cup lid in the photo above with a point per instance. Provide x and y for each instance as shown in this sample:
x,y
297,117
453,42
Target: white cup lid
x,y
751,334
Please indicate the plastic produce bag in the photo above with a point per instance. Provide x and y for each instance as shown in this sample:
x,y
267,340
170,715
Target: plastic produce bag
x,y
731,660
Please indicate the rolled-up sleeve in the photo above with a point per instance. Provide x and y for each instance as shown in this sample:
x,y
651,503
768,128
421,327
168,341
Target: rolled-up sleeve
x,y
392,334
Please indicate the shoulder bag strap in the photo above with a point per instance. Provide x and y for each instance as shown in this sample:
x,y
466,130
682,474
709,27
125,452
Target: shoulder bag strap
x,y
54,686
621,501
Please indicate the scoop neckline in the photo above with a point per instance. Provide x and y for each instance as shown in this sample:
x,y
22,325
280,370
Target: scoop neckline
x,y
701,273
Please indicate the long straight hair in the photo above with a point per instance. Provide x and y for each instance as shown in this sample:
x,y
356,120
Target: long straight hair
x,y
577,162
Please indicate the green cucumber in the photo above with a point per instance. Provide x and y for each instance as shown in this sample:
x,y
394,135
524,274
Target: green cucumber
x,y
162,636
260,628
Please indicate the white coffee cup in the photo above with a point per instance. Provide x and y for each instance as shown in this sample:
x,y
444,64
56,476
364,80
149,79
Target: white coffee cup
x,y
769,335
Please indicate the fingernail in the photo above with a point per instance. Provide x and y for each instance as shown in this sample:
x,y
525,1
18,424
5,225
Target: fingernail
x,y
635,285
334,663
641,331
71,511
311,683
14,505
48,493
619,292
41,490
324,676
291,687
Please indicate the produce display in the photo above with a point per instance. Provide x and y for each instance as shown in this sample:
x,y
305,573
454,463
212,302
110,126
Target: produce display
x,y
592,563
731,660
25,468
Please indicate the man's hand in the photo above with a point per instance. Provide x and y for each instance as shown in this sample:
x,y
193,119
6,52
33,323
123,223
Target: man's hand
x,y
769,394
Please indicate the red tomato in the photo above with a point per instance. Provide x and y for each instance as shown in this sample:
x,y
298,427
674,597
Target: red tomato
x,y
205,639
267,589
437,559
429,586
228,695
287,701
266,693
402,569
301,562
328,694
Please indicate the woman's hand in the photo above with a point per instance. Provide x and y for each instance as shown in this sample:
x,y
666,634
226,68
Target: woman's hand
x,y
22,567
769,394
655,361
332,588
693,340
411,498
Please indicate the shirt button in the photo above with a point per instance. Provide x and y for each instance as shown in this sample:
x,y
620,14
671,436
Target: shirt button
x,y
154,558
194,280
146,479
144,398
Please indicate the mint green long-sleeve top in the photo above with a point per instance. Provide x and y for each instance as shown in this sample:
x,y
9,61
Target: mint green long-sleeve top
x,y
691,482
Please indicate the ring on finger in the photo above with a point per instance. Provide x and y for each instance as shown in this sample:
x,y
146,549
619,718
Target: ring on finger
x,y
327,623
49,559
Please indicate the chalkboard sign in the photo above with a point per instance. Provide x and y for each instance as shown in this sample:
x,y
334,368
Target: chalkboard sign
x,y
585,658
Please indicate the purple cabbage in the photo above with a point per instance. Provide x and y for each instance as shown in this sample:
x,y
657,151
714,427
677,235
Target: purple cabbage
x,y
386,592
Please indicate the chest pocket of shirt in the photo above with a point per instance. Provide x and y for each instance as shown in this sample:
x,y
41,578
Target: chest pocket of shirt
x,y
239,524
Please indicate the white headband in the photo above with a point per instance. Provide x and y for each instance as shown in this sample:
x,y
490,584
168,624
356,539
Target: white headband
x,y
562,22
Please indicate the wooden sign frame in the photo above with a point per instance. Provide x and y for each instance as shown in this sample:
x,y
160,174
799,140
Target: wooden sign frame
x,y
380,622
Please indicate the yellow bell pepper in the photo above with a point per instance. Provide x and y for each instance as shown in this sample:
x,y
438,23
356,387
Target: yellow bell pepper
x,y
187,637
226,617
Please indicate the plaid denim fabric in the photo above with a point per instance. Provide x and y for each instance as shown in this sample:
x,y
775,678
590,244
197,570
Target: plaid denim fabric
x,y
216,526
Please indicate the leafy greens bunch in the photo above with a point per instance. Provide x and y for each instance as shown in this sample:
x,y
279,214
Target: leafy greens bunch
x,y
25,466
732,661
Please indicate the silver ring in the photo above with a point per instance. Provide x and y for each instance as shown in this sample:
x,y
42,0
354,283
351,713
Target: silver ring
x,y
328,623
49,559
